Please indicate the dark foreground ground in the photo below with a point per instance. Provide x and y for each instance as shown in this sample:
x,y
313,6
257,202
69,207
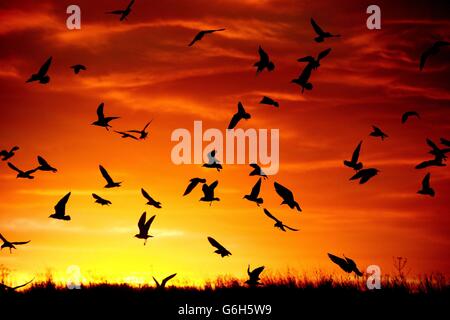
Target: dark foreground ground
x,y
282,301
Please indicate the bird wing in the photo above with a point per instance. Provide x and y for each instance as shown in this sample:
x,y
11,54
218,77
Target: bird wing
x,y
255,166
15,148
423,57
148,123
60,207
267,213
44,68
306,59
426,181
197,37
342,263
106,175
264,57
355,155
283,192
42,162
163,283
323,54
190,187
116,12
256,272
316,27
215,244
146,195
432,144
157,283
213,30
149,223
241,108
445,142
234,120
100,113
256,188
130,4
352,266
23,285
21,242
208,192
14,167
287,227
96,197
213,185
141,222
3,238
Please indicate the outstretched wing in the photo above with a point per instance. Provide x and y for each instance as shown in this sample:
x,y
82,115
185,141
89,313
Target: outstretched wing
x,y
130,4
355,155
316,27
163,283
14,167
432,144
323,54
190,187
287,227
44,68
423,58
106,175
141,222
282,191
60,207
3,238
342,263
426,181
215,244
116,12
234,120
146,195
306,59
149,223
42,162
256,272
21,242
256,189
23,285
267,213
264,57
148,123
100,113
96,197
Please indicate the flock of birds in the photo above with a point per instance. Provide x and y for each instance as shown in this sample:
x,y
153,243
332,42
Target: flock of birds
x,y
264,63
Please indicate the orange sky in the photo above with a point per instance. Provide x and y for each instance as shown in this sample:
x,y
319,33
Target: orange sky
x,y
142,69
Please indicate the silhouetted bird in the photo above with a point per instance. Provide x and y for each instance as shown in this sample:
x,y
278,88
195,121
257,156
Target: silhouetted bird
x,y
123,13
109,180
378,133
365,175
434,49
164,282
199,36
315,63
126,135
41,75
436,151
44,166
254,276
220,249
212,161
142,133
60,209
287,196
150,200
100,200
426,188
278,224
192,184
208,192
436,162
103,121
445,142
253,196
22,174
346,264
321,35
10,245
4,287
238,116
269,101
264,62
78,67
408,114
257,171
6,155
144,227
353,163
303,78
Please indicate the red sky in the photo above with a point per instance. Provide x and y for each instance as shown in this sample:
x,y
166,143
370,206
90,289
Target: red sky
x,y
142,69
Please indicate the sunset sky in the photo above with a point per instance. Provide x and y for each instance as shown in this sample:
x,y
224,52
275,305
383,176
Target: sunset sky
x,y
142,69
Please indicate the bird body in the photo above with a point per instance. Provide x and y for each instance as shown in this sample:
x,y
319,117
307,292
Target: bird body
x,y
41,76
212,161
409,114
377,132
110,182
60,209
144,227
78,67
208,192
220,249
287,196
303,78
150,200
264,62
426,188
254,276
103,121
321,35
10,245
253,196
100,200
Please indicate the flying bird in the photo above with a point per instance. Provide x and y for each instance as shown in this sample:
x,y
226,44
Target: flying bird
x,y
103,121
269,101
22,174
257,171
78,67
150,200
408,114
126,135
4,287
365,175
10,245
264,62
436,151
433,50
431,163
212,161
109,180
303,78
353,163
208,192
44,166
254,276
100,200
287,196
41,75
238,116
315,63
220,249
376,132
144,227
123,13
253,196
6,155
163,283
278,223
346,264
426,188
199,36
321,35
60,209
142,133
192,184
